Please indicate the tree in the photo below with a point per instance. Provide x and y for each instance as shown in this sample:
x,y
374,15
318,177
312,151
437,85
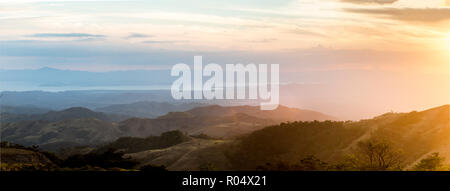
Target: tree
x,y
108,159
153,168
431,163
309,163
375,154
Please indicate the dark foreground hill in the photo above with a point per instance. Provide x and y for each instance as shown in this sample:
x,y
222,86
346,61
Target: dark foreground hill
x,y
54,135
16,159
137,144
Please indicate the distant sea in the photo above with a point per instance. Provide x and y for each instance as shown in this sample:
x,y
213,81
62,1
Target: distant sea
x,y
27,86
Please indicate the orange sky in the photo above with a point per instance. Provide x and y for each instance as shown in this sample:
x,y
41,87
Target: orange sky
x,y
357,44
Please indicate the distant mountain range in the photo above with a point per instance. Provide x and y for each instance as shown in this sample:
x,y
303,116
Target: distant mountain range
x,y
282,113
58,89
141,103
24,109
53,116
147,109
90,99
51,77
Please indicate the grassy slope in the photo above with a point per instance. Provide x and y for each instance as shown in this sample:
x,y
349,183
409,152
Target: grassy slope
x,y
196,154
18,158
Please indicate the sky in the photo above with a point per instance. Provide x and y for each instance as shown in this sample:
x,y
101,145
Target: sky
x,y
362,48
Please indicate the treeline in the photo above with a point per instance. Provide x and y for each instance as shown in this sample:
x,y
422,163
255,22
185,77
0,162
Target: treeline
x,y
370,155
110,160
136,144
291,142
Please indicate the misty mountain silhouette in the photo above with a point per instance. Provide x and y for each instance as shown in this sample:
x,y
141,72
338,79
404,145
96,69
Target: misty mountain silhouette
x,y
70,113
147,109
282,113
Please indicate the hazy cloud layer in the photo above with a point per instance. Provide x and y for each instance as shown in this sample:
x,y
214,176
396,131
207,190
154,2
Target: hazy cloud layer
x,y
163,41
427,15
370,1
138,35
66,35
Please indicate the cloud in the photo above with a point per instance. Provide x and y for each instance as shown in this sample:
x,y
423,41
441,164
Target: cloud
x,y
163,41
307,33
265,40
19,41
380,2
138,35
424,15
66,35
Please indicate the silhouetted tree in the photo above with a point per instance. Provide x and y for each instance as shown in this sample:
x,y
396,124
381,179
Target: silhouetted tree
x,y
375,154
108,159
431,163
153,168
309,163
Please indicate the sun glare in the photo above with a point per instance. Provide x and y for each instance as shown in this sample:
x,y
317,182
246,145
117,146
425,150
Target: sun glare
x,y
447,40
446,43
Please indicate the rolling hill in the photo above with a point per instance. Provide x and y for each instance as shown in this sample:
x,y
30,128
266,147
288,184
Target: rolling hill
x,y
224,126
251,143
55,135
147,109
80,126
415,134
281,114
218,121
